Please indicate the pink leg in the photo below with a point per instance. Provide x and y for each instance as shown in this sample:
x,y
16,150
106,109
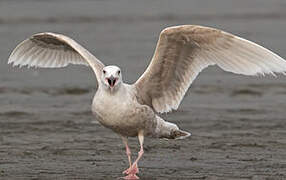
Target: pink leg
x,y
141,152
128,152
133,170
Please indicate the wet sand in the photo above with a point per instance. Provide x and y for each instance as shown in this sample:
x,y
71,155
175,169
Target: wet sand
x,y
46,127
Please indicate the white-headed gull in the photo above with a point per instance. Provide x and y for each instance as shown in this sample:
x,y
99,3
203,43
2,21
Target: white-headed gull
x,y
132,109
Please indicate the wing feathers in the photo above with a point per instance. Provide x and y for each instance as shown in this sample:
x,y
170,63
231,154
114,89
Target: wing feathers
x,y
182,52
50,50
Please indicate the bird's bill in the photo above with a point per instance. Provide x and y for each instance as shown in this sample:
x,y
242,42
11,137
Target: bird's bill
x,y
111,81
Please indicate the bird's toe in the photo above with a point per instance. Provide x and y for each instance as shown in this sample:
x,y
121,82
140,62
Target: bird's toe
x,y
131,177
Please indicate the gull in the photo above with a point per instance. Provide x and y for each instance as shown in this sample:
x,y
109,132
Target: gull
x,y
131,110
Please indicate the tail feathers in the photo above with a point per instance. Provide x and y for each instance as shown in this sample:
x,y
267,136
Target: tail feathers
x,y
169,130
179,134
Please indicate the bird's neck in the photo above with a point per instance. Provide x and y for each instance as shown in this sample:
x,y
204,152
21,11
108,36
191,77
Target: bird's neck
x,y
119,89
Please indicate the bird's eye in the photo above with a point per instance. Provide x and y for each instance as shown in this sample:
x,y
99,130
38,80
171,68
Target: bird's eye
x,y
118,72
104,71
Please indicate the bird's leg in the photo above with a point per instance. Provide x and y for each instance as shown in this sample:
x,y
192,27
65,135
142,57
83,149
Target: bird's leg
x,y
128,152
134,168
141,152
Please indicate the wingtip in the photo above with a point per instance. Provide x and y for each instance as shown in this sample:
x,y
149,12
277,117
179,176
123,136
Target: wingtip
x,y
10,61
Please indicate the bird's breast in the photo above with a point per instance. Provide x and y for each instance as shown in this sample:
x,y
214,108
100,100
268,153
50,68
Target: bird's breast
x,y
117,112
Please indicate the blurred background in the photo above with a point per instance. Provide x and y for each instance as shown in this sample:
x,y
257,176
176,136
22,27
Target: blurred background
x,y
46,127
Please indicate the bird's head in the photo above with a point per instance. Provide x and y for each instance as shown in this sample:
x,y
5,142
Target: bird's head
x,y
111,77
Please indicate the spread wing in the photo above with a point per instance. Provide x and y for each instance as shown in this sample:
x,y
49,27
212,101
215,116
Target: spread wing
x,y
182,52
50,50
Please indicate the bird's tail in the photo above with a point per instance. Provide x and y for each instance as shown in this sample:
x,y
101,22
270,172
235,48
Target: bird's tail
x,y
169,130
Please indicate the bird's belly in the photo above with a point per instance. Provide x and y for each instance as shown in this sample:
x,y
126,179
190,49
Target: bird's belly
x,y
126,120
121,120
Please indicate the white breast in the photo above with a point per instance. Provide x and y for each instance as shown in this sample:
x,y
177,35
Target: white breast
x,y
111,109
